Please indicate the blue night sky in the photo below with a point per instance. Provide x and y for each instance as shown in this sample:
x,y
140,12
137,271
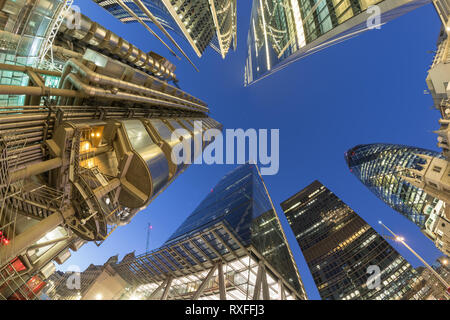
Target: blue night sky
x,y
365,90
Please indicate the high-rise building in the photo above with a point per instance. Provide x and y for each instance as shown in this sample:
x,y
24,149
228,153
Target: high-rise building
x,y
396,174
202,23
343,252
86,140
231,247
284,31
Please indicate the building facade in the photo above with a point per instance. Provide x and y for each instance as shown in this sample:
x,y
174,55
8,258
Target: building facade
x,y
393,174
94,283
232,247
343,252
284,31
77,159
201,23
432,179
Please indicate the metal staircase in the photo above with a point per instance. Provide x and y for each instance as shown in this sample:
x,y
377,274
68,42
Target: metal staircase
x,y
34,200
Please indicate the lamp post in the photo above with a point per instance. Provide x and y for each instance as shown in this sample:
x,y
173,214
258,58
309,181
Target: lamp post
x,y
402,241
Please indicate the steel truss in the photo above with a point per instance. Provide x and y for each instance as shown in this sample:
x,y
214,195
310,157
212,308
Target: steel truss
x,y
209,265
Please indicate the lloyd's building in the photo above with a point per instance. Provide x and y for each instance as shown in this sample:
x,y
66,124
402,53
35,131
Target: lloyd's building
x,y
86,136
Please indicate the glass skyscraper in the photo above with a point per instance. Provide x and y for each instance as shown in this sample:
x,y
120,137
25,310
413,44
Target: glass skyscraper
x,y
235,224
381,168
283,31
201,23
343,251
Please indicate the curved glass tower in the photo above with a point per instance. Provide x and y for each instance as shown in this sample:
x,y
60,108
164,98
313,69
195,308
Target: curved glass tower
x,y
380,167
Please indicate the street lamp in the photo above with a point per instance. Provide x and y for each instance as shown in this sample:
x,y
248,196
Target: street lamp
x,y
402,241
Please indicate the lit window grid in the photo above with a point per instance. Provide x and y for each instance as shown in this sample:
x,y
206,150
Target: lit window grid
x,y
377,166
322,214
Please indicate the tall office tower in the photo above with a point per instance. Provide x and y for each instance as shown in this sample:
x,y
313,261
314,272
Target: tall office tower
x,y
202,23
284,31
84,146
396,174
341,249
231,247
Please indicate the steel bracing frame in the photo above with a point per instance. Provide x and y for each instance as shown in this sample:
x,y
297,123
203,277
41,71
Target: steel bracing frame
x,y
212,264
45,58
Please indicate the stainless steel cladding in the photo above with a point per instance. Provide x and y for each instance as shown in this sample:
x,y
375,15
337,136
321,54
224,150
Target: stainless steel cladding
x,y
112,42
151,154
163,133
140,88
99,34
197,137
81,31
96,35
186,138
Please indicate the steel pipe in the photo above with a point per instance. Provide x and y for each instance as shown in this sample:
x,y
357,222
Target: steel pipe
x,y
35,169
94,77
96,35
37,91
24,69
101,93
